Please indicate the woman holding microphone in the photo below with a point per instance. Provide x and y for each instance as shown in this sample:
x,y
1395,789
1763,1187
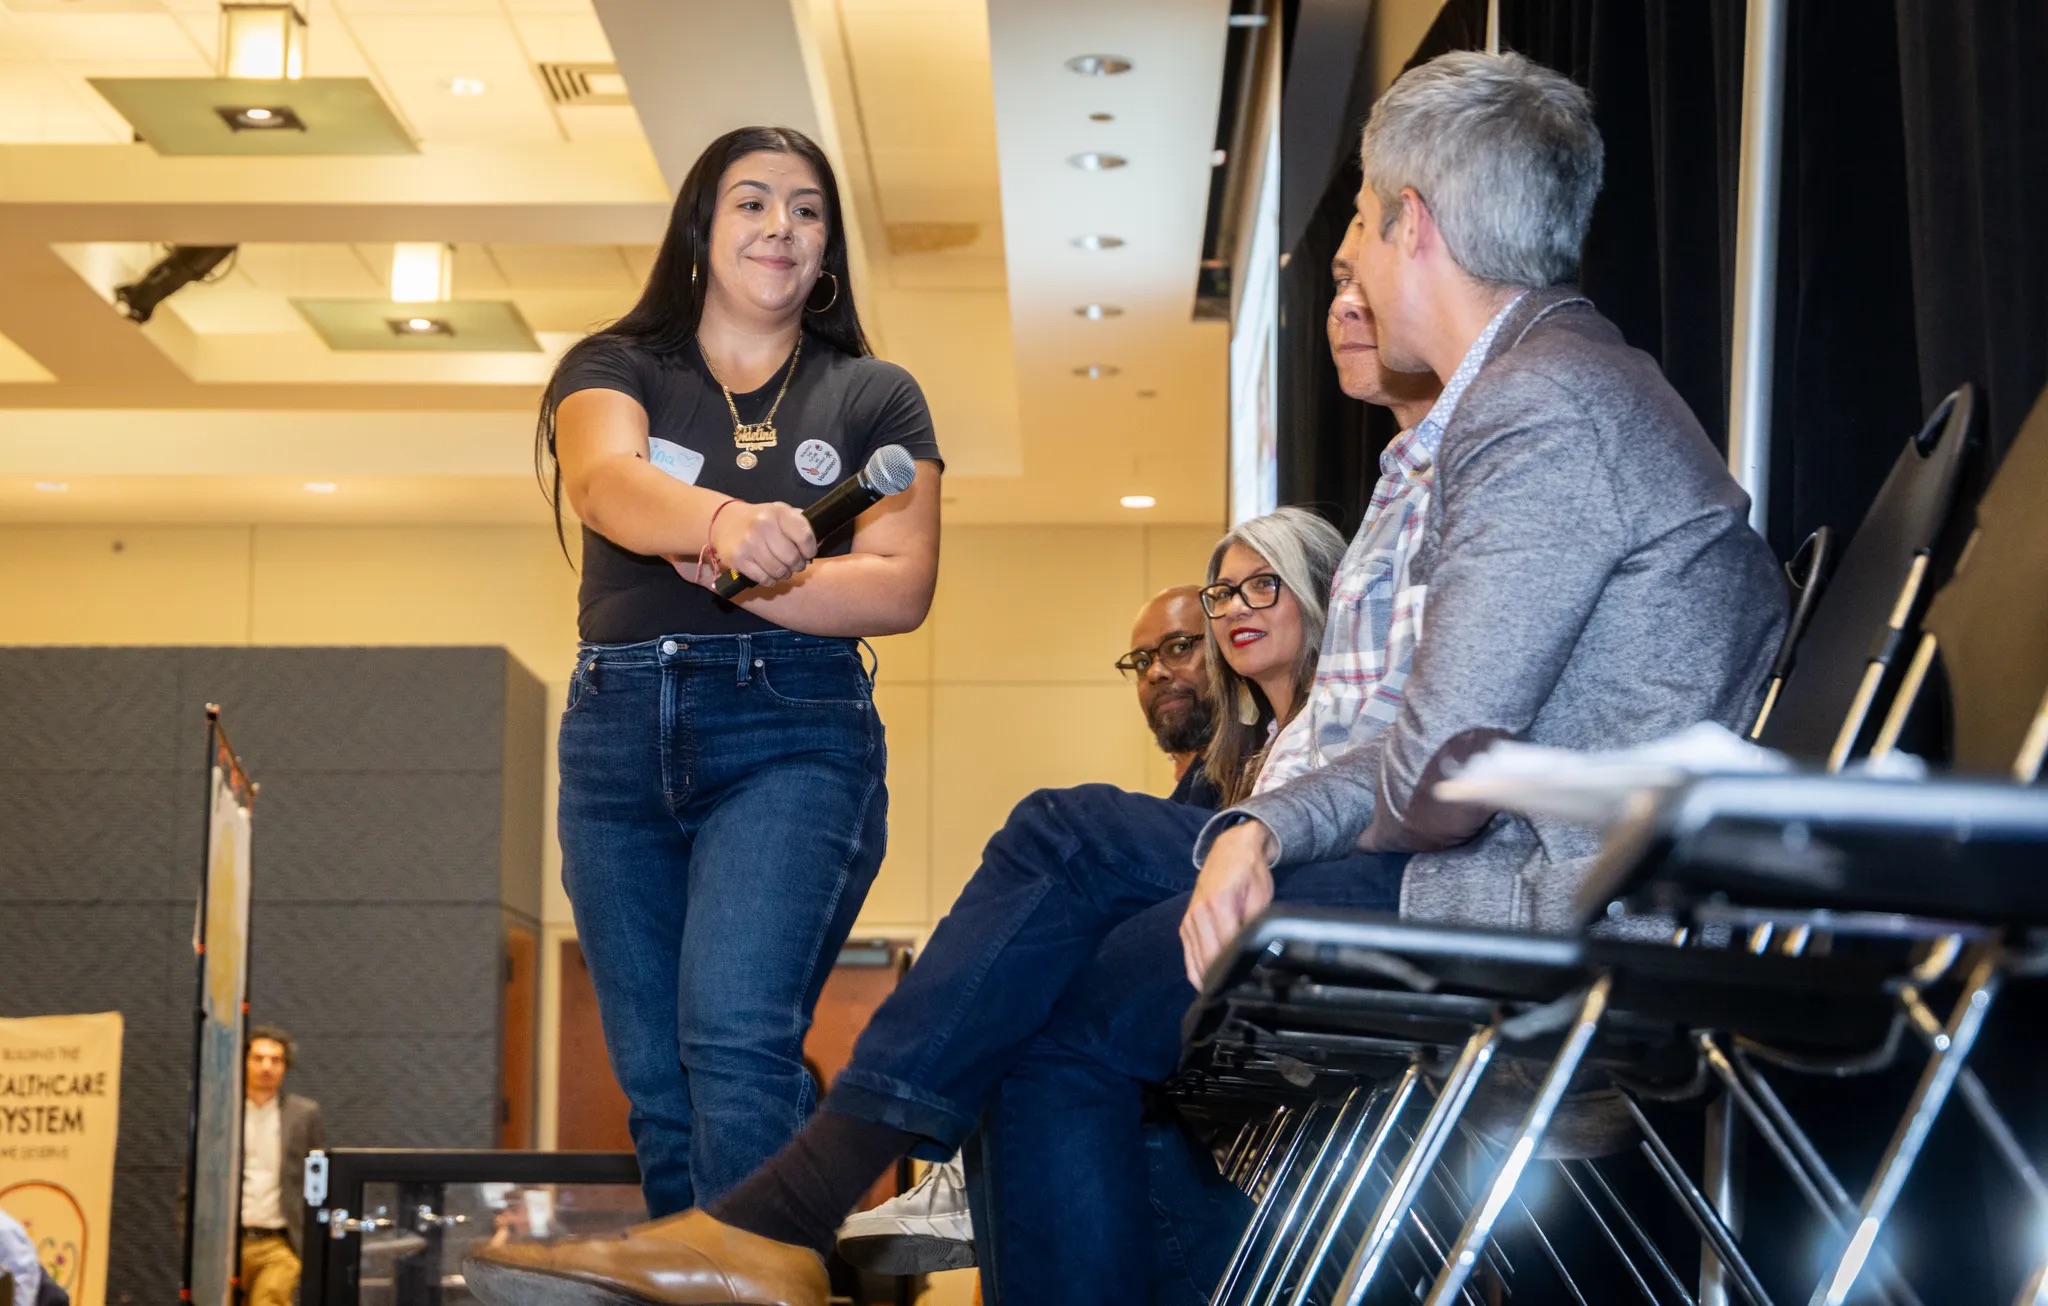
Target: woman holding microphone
x,y
722,804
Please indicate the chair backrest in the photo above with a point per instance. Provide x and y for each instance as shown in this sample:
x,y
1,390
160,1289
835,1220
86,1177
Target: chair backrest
x,y
1877,591
1990,622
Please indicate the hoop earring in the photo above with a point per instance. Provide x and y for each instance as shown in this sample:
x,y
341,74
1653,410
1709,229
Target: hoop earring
x,y
828,303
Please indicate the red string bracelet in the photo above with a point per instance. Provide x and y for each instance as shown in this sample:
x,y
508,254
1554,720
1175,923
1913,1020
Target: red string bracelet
x,y
707,553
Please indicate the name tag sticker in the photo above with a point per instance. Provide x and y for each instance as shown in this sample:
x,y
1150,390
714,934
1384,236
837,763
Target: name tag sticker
x,y
679,462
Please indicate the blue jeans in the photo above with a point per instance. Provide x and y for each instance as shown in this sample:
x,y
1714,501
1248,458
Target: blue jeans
x,y
722,815
1058,979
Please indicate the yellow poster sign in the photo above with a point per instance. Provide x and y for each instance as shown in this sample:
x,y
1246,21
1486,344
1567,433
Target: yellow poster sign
x,y
60,1108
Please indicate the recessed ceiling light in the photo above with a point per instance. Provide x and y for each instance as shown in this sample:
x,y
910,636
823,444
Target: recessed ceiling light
x,y
1097,161
1138,501
1098,65
260,118
467,86
419,326
1148,394
321,487
1096,312
1097,371
52,487
1101,117
1093,241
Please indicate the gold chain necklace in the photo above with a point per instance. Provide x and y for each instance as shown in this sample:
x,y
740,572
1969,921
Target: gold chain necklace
x,y
750,437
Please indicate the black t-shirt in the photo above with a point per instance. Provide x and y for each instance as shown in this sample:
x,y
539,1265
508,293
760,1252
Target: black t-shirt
x,y
1196,789
838,410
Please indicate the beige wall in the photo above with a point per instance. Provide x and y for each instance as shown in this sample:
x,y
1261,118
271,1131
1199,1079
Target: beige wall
x,y
1007,688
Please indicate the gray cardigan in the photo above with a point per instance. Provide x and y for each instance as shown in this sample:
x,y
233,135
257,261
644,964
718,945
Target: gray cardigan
x,y
1593,582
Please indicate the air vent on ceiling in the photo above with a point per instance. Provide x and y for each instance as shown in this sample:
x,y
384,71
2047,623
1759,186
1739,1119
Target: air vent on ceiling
x,y
583,83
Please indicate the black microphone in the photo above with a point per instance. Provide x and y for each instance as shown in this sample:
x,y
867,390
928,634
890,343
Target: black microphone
x,y
890,470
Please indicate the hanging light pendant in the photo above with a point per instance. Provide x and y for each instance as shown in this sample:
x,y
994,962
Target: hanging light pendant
x,y
262,40
422,272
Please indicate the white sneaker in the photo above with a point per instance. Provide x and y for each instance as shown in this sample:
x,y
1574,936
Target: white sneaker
x,y
919,1232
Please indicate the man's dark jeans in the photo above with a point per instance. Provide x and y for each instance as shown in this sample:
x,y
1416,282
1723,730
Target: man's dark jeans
x,y
1058,976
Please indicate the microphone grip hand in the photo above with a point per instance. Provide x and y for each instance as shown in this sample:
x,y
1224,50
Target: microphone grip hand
x,y
766,543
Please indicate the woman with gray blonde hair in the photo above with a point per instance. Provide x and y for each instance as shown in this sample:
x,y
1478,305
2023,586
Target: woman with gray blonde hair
x,y
1267,598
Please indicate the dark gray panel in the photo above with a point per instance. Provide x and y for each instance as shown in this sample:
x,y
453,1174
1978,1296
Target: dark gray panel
x,y
332,969
80,957
156,1097
525,790
370,837
145,1244
110,835
390,1091
87,709
355,709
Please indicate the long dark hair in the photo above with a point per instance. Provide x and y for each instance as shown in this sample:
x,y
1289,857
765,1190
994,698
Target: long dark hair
x,y
664,320
1304,551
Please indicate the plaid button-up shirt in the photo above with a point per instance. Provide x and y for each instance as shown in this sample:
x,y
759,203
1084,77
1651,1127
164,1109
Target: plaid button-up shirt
x,y
1375,614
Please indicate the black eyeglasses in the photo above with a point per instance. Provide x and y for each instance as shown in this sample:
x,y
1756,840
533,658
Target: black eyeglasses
x,y
1260,591
1175,651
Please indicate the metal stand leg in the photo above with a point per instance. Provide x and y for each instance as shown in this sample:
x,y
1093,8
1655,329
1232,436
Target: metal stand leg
x,y
1936,1081
1464,1254
1429,1144
1396,1101
1287,1142
1284,1247
1698,1210
1724,1187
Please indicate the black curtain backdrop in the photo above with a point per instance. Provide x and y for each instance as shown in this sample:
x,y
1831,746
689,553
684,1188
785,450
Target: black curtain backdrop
x,y
1913,256
1914,211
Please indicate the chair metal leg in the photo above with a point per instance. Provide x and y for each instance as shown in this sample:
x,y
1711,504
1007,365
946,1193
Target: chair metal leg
x,y
1810,1174
1593,1176
1720,1175
1293,1130
1698,1210
1429,1144
1267,1281
1396,1101
1557,1265
1478,1230
1952,1049
1978,1099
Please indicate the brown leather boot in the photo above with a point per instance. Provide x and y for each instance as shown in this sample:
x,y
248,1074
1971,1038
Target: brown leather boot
x,y
682,1260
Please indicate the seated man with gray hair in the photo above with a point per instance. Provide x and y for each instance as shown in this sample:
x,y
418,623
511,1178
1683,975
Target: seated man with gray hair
x,y
1562,531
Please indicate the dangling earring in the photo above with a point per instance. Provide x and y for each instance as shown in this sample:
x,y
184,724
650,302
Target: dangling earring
x,y
1247,706
828,303
693,273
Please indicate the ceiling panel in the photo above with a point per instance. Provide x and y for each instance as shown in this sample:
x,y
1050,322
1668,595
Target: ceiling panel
x,y
230,309
311,271
107,38
418,53
564,267
575,37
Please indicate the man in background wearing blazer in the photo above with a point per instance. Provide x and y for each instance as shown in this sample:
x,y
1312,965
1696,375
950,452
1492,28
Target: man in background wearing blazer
x,y
278,1129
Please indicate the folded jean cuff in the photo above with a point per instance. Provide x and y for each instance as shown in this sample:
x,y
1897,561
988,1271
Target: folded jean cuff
x,y
893,1103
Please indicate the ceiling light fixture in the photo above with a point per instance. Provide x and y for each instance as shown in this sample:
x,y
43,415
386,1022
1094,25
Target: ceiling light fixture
x,y
52,487
1098,371
321,487
260,118
467,86
1097,161
264,41
1098,65
1096,241
1097,312
419,326
1138,501
422,272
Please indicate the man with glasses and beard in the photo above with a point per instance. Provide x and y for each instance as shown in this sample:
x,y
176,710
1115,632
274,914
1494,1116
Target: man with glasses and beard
x,y
929,1229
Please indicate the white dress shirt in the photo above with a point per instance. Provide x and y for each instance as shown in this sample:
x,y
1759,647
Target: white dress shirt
x,y
262,1166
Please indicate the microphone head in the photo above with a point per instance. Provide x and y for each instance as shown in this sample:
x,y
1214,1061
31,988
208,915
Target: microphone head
x,y
890,469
